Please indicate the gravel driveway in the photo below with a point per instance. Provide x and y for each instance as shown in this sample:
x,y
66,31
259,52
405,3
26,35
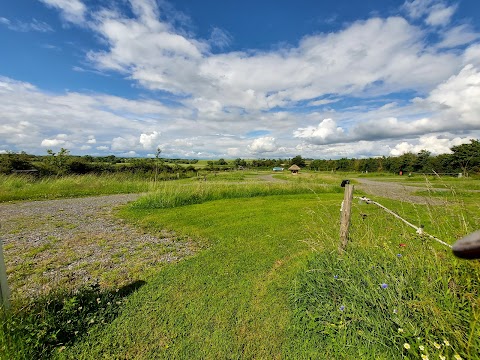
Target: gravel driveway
x,y
74,242
396,191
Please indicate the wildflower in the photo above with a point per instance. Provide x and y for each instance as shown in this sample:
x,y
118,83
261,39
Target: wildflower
x,y
402,245
98,301
400,330
436,345
335,277
424,357
109,303
342,308
69,321
406,346
399,255
445,341
395,311
92,321
441,357
118,302
384,286
80,308
457,357
422,348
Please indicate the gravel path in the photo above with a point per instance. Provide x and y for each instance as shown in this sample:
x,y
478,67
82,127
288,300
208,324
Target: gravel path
x,y
396,191
74,242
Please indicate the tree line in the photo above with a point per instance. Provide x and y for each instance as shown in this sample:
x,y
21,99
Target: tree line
x,y
463,159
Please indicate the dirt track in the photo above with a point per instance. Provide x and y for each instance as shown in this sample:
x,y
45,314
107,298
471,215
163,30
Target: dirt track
x,y
395,191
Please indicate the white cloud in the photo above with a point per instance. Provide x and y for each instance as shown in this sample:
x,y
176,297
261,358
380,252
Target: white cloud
x,y
263,145
150,141
34,25
220,38
440,15
326,132
434,144
72,10
457,36
91,139
435,12
103,148
52,142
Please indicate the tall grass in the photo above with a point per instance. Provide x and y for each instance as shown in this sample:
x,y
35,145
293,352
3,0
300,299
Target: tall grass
x,y
171,195
393,294
18,187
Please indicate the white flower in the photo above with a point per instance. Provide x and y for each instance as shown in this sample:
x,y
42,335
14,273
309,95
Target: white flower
x,y
422,348
436,345
442,357
445,341
406,346
424,357
457,357
400,330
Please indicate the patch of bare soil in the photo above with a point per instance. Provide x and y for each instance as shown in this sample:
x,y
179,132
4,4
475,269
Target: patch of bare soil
x,y
69,243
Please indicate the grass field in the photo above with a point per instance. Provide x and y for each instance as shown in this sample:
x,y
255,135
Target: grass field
x,y
269,283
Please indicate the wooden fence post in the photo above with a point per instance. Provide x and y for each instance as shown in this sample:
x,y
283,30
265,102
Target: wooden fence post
x,y
4,291
345,217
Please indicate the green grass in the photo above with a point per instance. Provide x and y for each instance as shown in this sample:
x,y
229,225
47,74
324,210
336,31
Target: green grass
x,y
15,188
171,195
268,281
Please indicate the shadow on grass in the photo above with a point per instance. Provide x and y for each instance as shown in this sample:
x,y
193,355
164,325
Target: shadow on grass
x,y
59,319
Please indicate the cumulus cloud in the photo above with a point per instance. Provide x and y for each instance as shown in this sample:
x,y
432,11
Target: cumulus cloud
x,y
326,132
263,145
150,141
53,142
435,144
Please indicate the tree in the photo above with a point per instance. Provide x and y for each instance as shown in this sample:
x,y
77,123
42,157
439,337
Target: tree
x,y
57,162
467,156
298,160
157,160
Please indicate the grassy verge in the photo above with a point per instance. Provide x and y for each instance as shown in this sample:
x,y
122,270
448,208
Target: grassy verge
x,y
15,188
171,195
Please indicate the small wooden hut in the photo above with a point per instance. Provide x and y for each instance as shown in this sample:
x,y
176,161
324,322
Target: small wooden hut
x,y
294,169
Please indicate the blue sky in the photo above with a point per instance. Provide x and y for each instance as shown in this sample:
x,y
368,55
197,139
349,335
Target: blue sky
x,y
239,79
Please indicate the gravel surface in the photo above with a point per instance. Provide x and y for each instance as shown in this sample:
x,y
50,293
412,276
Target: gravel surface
x,y
396,191
75,242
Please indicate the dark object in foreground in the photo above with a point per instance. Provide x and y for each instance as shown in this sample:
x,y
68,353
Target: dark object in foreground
x,y
344,182
468,247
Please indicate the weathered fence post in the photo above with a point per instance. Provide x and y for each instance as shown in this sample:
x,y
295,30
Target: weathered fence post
x,y
345,217
4,291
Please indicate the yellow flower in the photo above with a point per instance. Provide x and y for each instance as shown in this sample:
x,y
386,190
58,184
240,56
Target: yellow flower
x,y
406,346
436,345
445,341
424,357
421,348
400,330
442,357
457,357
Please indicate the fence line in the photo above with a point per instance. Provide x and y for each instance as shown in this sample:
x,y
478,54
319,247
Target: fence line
x,y
419,230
